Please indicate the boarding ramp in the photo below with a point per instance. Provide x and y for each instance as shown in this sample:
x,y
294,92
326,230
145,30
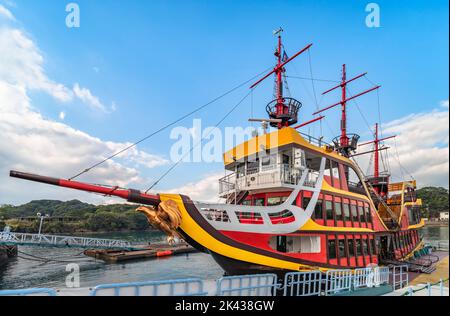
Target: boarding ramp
x,y
181,287
248,285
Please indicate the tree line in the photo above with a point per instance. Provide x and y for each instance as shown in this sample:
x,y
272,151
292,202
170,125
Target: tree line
x,y
83,217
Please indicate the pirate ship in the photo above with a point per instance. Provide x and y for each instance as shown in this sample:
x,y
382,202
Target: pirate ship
x,y
293,202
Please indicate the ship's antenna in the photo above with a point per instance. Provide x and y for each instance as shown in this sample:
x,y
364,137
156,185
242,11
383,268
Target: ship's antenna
x,y
342,143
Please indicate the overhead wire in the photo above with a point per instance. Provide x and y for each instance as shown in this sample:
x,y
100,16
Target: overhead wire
x,y
169,125
198,143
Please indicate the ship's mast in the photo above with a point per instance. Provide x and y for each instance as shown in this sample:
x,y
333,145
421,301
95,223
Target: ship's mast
x,y
343,143
283,112
280,107
379,182
344,137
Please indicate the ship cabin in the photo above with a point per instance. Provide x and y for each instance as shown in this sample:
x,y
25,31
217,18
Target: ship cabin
x,y
345,228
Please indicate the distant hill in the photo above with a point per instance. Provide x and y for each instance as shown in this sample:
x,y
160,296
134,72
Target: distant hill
x,y
88,217
434,199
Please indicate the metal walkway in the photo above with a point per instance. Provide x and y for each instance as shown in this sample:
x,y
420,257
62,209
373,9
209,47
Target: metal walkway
x,y
8,238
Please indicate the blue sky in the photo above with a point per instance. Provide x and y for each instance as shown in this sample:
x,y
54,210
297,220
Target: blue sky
x,y
156,60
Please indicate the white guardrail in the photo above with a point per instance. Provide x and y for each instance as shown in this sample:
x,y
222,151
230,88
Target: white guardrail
x,y
311,283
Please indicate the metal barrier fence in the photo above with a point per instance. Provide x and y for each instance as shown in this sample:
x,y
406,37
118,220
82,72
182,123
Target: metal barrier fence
x,y
248,285
338,281
182,287
311,283
370,277
429,288
29,292
302,283
400,277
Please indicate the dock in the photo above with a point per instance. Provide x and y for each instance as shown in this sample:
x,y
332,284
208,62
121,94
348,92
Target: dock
x,y
153,251
441,272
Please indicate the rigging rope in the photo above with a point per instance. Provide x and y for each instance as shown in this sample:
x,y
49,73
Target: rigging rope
x,y
169,125
314,89
360,112
400,164
199,142
314,79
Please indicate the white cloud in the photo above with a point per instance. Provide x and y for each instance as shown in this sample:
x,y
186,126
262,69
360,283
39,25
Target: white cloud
x,y
22,63
444,104
86,96
32,143
421,147
62,116
4,12
205,190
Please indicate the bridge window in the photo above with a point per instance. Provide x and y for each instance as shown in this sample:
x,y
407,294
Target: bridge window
x,y
362,217
342,252
365,247
351,247
346,211
354,212
318,210
372,244
216,215
368,215
313,161
303,244
338,210
249,218
332,249
359,247
259,202
253,166
240,170
297,244
329,209
276,200
353,181
268,162
305,202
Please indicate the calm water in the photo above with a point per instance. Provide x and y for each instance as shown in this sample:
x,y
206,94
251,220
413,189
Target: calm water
x,y
28,270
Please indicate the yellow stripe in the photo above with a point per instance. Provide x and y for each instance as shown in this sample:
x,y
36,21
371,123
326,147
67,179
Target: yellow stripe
x,y
420,225
196,232
272,140
329,188
313,226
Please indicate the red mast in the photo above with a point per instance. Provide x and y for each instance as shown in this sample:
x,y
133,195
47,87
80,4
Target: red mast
x,y
283,109
278,71
377,180
343,143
